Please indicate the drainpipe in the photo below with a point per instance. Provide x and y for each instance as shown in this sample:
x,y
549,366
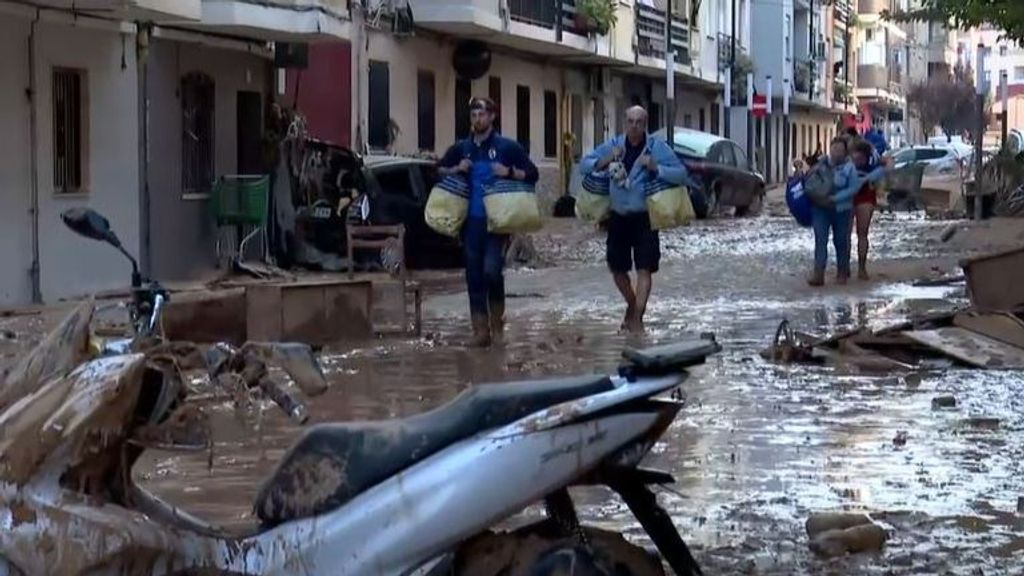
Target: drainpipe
x,y
141,58
34,271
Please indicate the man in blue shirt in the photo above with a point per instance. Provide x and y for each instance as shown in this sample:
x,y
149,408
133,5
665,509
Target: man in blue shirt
x,y
631,161
482,158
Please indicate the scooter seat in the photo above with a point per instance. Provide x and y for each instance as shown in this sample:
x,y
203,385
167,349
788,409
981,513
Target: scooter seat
x,y
333,463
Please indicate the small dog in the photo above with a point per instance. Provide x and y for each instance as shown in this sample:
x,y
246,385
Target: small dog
x,y
617,172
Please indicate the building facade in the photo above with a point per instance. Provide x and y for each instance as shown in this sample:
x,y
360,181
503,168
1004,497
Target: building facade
x,y
133,108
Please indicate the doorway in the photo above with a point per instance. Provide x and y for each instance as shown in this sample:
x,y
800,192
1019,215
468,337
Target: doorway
x,y
249,112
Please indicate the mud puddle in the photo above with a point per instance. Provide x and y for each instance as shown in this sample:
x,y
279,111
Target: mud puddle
x,y
759,446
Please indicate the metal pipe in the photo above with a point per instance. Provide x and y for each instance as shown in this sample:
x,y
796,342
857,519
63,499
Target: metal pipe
x,y
34,272
141,52
729,78
980,136
670,78
1005,97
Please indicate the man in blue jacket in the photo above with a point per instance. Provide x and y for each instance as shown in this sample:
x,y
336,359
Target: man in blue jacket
x,y
482,158
631,160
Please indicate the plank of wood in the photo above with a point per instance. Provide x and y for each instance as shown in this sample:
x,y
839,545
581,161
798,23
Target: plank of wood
x,y
1000,326
971,348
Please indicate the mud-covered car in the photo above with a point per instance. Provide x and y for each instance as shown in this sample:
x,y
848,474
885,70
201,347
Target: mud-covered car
x,y
724,175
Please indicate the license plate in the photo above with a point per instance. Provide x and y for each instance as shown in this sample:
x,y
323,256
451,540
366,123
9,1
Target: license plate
x,y
323,212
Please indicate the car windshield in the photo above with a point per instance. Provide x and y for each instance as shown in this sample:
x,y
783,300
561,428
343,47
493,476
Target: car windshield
x,y
919,155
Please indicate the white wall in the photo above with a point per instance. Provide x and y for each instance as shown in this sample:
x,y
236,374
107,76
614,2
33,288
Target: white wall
x,y
69,265
406,57
16,248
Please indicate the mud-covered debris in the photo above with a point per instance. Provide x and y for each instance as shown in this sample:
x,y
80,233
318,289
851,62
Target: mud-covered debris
x,y
187,428
62,351
8,335
901,438
940,402
983,422
948,232
827,521
868,537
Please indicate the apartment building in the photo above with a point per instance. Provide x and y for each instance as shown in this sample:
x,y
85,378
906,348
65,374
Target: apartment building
x,y
131,107
882,68
800,57
561,87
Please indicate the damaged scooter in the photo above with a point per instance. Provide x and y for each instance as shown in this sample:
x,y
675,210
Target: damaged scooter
x,y
415,496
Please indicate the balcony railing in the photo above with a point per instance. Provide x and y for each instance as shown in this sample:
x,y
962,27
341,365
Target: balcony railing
x,y
841,11
545,13
650,32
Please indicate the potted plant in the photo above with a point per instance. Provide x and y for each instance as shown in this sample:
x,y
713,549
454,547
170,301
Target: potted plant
x,y
596,15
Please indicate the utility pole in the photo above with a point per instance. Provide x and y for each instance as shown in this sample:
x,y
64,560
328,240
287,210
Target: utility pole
x,y
768,132
750,118
785,128
728,75
811,62
670,79
1005,97
979,88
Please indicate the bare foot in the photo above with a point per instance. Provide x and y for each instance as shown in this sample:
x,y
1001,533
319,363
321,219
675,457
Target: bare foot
x,y
627,321
863,275
842,279
636,326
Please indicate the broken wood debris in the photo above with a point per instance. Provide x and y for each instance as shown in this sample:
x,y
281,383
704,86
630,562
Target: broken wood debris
x,y
967,337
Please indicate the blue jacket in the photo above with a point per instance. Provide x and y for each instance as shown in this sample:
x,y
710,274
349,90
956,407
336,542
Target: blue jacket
x,y
628,197
496,148
847,183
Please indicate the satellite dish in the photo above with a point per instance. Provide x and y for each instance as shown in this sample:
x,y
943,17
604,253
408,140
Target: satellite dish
x,y
471,60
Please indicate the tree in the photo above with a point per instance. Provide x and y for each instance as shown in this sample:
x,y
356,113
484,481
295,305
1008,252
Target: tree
x,y
947,101
1006,15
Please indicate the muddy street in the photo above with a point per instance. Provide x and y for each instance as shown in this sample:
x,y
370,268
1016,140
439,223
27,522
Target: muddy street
x,y
759,447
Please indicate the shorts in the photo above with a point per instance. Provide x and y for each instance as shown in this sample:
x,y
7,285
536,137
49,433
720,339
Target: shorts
x,y
632,242
867,195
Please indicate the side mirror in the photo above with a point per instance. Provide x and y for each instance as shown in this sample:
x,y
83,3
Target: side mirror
x,y
89,223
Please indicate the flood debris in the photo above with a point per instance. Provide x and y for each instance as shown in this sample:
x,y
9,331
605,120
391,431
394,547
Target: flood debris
x,y
75,417
940,402
901,438
837,534
966,337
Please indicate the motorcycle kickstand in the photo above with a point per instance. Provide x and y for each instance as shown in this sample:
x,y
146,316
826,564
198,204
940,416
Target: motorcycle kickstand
x,y
560,508
658,525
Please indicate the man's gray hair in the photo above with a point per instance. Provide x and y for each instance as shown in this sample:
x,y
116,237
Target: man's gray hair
x,y
637,109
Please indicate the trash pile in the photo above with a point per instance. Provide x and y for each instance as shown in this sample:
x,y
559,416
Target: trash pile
x,y
989,334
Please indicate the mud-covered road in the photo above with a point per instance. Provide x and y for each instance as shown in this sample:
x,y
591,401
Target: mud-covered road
x,y
759,446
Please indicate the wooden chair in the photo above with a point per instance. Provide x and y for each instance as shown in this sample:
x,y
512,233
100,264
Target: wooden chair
x,y
371,237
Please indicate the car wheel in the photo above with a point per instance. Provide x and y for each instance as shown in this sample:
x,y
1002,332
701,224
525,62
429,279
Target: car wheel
x,y
754,208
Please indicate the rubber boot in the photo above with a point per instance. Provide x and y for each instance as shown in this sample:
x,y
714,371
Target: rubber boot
x,y
497,322
817,277
481,332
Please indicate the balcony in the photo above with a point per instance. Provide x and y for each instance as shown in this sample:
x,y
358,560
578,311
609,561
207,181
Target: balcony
x,y
546,14
151,10
874,6
278,20
650,35
879,81
535,26
841,13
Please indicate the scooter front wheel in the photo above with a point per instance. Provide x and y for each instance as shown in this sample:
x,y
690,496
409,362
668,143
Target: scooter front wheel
x,y
541,549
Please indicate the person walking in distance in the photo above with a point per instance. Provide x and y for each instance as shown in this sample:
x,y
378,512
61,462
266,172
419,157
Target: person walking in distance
x,y
630,161
482,158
